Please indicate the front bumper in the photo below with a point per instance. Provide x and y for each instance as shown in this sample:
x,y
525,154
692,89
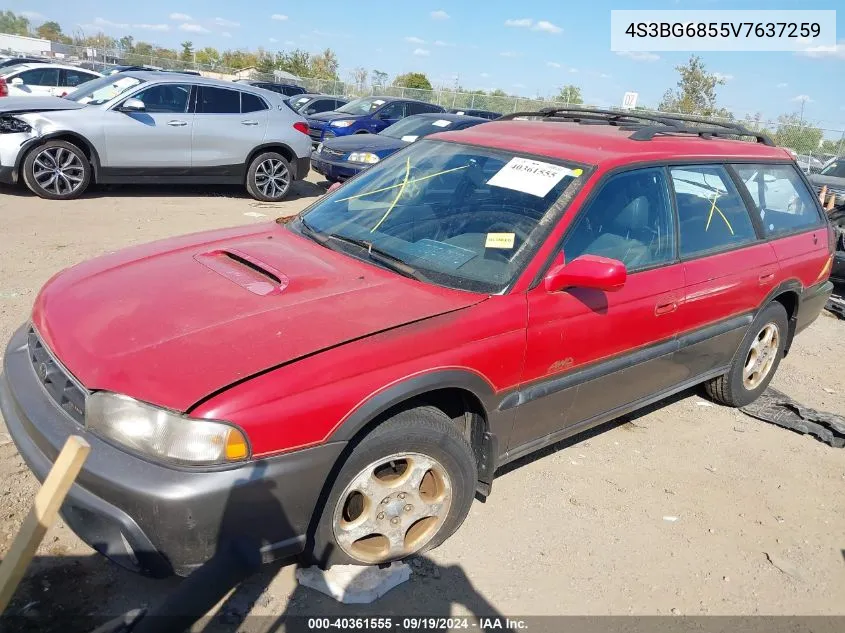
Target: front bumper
x,y
156,519
335,171
837,273
8,175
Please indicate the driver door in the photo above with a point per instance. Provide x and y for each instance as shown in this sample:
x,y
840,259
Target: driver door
x,y
589,351
157,139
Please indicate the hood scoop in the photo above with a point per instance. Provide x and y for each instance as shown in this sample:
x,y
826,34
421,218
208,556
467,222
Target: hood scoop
x,y
247,271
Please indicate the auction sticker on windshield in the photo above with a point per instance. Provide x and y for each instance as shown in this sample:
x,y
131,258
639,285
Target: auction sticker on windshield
x,y
529,176
499,240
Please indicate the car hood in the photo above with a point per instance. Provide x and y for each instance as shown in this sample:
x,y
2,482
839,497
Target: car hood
x,y
333,116
174,321
831,181
365,143
12,105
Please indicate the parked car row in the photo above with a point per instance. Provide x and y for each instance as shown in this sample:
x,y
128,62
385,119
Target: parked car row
x,y
41,79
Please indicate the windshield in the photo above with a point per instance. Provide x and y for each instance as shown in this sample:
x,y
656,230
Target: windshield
x,y
411,128
362,106
835,168
103,89
297,102
9,70
462,216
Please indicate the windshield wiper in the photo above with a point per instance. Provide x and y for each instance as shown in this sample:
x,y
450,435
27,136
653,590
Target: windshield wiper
x,y
383,257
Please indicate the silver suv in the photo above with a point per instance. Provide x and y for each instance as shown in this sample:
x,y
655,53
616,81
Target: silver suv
x,y
153,127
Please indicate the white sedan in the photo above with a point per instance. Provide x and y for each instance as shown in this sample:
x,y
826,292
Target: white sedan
x,y
38,80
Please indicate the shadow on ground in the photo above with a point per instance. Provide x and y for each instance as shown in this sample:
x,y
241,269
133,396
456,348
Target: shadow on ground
x,y
300,189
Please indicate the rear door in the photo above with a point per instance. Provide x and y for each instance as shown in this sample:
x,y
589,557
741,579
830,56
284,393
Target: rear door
x,y
729,269
157,139
229,125
588,351
790,218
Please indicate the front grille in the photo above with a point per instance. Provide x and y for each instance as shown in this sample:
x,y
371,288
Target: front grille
x,y
332,153
59,384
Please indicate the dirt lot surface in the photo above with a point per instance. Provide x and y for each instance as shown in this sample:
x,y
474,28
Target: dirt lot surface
x,y
690,508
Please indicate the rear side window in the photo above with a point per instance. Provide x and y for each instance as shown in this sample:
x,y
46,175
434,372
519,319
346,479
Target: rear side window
x,y
781,197
218,101
630,220
251,103
712,215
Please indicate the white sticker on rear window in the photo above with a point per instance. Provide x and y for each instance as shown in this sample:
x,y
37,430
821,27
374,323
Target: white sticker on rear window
x,y
460,112
529,176
442,123
378,102
410,139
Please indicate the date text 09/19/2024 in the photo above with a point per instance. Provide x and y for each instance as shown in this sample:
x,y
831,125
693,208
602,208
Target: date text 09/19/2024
x,y
418,623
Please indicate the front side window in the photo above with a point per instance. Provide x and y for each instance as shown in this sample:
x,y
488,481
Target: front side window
x,y
782,199
218,101
629,220
74,78
395,110
165,98
712,215
456,215
40,77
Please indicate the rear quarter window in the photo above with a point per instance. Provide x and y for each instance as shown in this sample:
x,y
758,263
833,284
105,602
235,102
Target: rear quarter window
x,y
782,199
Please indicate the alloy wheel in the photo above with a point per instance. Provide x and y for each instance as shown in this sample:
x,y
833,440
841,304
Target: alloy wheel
x,y
761,357
58,171
392,508
272,178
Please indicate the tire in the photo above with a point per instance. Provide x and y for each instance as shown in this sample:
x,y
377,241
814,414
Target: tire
x,y
355,521
41,176
269,177
738,388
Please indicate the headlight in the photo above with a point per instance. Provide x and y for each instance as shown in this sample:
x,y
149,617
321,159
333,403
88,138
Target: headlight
x,y
10,124
363,157
319,148
341,123
163,434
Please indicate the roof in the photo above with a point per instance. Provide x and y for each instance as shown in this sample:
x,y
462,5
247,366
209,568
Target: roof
x,y
36,65
176,77
605,144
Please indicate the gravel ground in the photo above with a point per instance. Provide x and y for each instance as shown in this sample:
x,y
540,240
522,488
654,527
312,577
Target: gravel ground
x,y
689,508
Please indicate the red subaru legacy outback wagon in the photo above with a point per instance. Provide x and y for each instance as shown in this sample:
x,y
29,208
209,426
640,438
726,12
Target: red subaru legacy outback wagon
x,y
342,385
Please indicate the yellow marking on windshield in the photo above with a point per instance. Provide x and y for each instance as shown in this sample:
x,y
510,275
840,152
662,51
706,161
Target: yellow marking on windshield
x,y
398,195
402,184
713,208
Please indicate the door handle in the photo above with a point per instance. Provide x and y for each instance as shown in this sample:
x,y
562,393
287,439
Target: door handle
x,y
766,278
665,308
177,123
249,122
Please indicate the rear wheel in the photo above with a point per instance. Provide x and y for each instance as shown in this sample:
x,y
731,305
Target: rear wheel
x,y
756,360
404,489
57,170
269,177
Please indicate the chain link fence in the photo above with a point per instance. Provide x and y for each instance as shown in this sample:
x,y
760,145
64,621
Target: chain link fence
x,y
811,145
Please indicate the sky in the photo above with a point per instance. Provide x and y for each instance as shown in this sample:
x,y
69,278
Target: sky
x,y
529,48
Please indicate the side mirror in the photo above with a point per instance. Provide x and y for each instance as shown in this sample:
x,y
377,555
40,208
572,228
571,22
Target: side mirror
x,y
310,111
133,105
587,271
17,81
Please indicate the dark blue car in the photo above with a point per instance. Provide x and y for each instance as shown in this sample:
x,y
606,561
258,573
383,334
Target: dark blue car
x,y
366,115
341,158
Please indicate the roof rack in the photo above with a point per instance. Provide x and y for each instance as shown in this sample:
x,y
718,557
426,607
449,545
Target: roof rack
x,y
645,126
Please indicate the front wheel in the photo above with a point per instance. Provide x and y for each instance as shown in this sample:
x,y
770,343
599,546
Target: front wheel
x,y
405,488
756,360
268,177
57,170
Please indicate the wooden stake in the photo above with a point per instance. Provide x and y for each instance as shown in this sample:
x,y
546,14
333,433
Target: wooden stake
x,y
823,194
831,202
41,515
